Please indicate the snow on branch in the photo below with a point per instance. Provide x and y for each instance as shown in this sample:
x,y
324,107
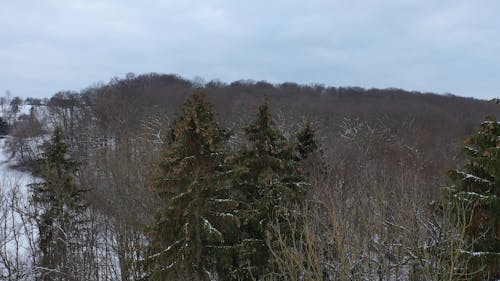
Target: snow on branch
x,y
474,194
212,230
179,196
164,250
478,254
472,177
486,122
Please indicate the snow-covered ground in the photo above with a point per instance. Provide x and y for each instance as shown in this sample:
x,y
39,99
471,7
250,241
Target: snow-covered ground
x,y
17,231
21,179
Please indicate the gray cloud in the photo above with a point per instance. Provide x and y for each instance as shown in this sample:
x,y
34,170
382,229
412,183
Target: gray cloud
x,y
442,46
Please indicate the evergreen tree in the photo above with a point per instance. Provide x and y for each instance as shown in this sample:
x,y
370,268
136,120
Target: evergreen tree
x,y
268,185
306,141
4,127
60,208
478,184
195,228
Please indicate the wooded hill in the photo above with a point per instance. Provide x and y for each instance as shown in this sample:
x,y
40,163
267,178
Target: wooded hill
x,y
383,155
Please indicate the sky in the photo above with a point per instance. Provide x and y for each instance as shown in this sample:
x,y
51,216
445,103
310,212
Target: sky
x,y
446,46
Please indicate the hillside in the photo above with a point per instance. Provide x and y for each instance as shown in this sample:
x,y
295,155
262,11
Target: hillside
x,y
384,154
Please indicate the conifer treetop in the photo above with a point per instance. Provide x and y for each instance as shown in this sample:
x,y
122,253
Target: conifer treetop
x,y
261,132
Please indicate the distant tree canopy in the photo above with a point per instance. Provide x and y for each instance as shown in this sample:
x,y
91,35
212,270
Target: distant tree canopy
x,y
150,90
15,104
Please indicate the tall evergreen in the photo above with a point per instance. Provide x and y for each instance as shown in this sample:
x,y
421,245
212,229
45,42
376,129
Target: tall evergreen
x,y
194,229
268,186
60,208
478,184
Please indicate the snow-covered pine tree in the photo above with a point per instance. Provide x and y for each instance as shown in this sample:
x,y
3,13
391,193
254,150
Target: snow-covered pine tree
x,y
60,211
268,185
478,184
194,229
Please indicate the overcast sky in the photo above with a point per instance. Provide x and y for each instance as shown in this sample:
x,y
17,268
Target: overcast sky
x,y
446,46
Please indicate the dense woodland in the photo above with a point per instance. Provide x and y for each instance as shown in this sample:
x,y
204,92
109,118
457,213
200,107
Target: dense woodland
x,y
155,177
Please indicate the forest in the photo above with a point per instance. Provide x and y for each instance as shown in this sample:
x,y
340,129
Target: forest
x,y
157,177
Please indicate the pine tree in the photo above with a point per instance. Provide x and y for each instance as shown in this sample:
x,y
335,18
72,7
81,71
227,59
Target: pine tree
x,y
4,127
268,185
195,229
306,141
478,184
60,210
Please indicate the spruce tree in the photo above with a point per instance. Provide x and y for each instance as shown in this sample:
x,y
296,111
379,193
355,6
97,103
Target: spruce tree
x,y
306,141
194,229
268,186
478,184
60,208
4,127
